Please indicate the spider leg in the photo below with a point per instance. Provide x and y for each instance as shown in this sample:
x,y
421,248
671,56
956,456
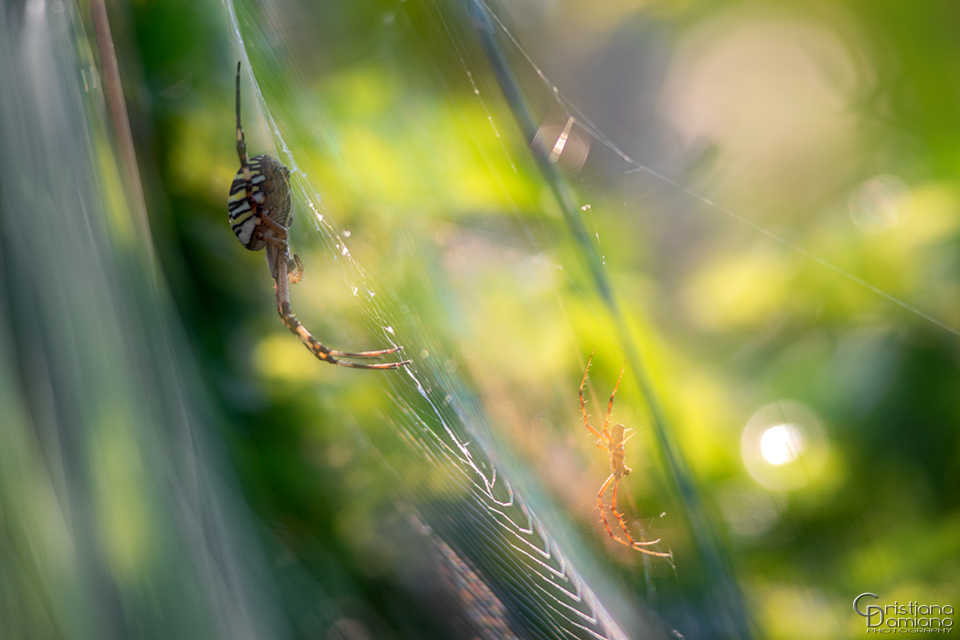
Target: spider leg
x,y
639,546
659,554
603,516
646,542
242,152
316,347
277,242
610,404
615,478
367,354
613,508
583,406
276,227
294,266
623,525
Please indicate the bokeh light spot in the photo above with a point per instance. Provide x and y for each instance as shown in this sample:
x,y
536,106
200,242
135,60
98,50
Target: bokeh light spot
x,y
781,444
784,447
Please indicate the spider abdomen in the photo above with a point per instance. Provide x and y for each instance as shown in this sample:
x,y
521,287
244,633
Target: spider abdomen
x,y
270,183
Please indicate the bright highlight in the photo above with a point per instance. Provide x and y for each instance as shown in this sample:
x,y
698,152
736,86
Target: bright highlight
x,y
781,444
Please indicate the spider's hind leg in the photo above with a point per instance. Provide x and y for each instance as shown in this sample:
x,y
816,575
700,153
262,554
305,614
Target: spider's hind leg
x,y
639,546
603,515
613,508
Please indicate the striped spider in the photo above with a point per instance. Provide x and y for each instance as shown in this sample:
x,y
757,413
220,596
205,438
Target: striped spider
x,y
259,210
612,441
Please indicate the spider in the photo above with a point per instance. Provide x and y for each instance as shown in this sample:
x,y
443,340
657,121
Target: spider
x,y
259,211
612,441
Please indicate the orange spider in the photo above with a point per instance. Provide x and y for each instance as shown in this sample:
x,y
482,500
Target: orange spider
x,y
612,442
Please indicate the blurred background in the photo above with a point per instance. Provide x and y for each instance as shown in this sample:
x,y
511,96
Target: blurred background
x,y
754,205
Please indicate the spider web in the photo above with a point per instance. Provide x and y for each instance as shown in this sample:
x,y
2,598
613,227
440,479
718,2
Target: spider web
x,y
485,527
490,536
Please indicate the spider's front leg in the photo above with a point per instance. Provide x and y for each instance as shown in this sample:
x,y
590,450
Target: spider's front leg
x,y
610,404
605,436
316,347
242,153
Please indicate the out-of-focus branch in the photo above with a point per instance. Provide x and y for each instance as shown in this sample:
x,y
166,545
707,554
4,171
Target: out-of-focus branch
x,y
118,113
